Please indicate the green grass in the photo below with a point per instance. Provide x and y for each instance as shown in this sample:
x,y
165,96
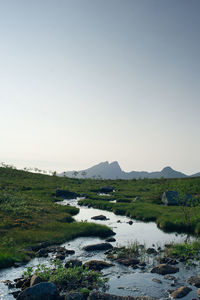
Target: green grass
x,y
148,207
186,250
132,250
168,218
29,215
8,258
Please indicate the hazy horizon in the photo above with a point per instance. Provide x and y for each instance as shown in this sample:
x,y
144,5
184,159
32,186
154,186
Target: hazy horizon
x,y
41,166
82,82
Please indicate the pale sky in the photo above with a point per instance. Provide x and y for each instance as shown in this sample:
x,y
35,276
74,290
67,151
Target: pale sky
x,y
86,81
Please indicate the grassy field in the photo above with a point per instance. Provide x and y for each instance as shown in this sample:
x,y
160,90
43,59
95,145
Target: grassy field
x,y
141,199
29,215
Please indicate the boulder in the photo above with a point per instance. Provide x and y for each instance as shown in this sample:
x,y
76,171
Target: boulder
x,y
168,260
173,198
104,296
110,240
62,252
170,277
164,269
194,280
40,291
97,265
74,296
198,293
95,247
35,279
128,261
22,283
180,292
73,263
42,252
70,252
100,217
9,283
60,256
170,198
151,251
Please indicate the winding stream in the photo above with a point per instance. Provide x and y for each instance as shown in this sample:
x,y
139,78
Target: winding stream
x,y
123,280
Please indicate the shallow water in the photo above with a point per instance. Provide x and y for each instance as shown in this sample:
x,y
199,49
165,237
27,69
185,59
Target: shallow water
x,y
123,280
144,233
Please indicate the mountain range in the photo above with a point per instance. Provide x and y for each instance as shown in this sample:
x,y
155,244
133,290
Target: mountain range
x,y
106,170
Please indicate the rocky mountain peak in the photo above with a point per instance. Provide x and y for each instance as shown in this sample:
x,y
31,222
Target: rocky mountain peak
x,y
115,165
106,170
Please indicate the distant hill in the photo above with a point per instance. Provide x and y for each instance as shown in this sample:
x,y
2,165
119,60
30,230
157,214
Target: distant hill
x,y
195,175
106,170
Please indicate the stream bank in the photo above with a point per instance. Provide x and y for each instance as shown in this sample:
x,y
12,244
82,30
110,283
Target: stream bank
x,y
123,280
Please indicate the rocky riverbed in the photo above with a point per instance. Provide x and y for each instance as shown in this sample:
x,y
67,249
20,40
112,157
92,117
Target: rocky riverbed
x,y
148,273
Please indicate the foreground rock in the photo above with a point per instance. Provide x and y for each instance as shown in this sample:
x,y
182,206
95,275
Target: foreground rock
x,y
74,296
128,261
62,252
40,291
194,280
180,292
104,296
170,198
35,279
22,283
101,246
97,265
110,240
164,269
151,251
100,217
168,260
43,252
73,263
9,283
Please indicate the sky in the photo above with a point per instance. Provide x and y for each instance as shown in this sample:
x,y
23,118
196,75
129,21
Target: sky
x,y
87,81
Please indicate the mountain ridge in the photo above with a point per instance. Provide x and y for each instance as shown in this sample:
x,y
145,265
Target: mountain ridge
x,y
106,170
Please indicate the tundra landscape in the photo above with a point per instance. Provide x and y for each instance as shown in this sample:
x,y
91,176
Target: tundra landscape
x,y
99,155
36,222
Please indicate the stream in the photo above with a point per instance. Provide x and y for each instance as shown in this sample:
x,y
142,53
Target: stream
x,y
122,280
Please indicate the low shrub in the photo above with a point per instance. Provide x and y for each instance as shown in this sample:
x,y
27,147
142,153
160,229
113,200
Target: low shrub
x,y
76,278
